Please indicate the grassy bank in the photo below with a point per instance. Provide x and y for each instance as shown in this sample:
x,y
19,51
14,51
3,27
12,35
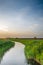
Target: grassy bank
x,y
33,49
5,45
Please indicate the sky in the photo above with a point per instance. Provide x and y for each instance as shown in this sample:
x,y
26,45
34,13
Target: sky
x,y
21,18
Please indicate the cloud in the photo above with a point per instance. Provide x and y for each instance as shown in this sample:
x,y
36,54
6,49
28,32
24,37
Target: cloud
x,y
33,27
3,28
21,22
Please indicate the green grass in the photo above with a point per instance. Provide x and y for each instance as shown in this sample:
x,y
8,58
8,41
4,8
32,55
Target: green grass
x,y
33,49
5,45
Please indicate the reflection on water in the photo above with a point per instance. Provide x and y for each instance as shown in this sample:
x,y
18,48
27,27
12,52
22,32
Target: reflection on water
x,y
15,56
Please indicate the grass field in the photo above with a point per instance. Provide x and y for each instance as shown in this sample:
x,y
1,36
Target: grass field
x,y
33,49
4,46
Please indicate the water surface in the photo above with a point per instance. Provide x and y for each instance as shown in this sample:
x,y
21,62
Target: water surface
x,y
15,56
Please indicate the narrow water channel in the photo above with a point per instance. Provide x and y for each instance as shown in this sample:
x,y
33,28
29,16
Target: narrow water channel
x,y
15,56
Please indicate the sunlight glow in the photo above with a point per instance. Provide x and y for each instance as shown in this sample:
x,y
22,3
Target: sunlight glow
x,y
3,28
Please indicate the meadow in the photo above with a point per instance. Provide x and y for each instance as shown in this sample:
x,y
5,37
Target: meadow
x,y
33,49
5,45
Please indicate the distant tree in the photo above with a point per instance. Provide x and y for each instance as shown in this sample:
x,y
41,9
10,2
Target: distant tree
x,y
16,38
35,37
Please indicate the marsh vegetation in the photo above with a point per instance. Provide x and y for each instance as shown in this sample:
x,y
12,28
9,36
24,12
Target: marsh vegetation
x,y
5,45
33,49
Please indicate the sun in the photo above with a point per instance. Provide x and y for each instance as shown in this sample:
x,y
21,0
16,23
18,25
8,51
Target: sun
x,y
3,28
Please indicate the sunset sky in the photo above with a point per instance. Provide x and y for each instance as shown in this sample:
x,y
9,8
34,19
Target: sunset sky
x,y
21,18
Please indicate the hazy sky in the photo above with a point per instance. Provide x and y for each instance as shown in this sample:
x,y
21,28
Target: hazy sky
x,y
21,18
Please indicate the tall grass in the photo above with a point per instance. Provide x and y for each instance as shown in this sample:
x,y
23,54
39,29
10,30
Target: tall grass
x,y
5,45
33,49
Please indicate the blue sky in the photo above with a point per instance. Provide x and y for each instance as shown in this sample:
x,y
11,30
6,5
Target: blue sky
x,y
21,18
